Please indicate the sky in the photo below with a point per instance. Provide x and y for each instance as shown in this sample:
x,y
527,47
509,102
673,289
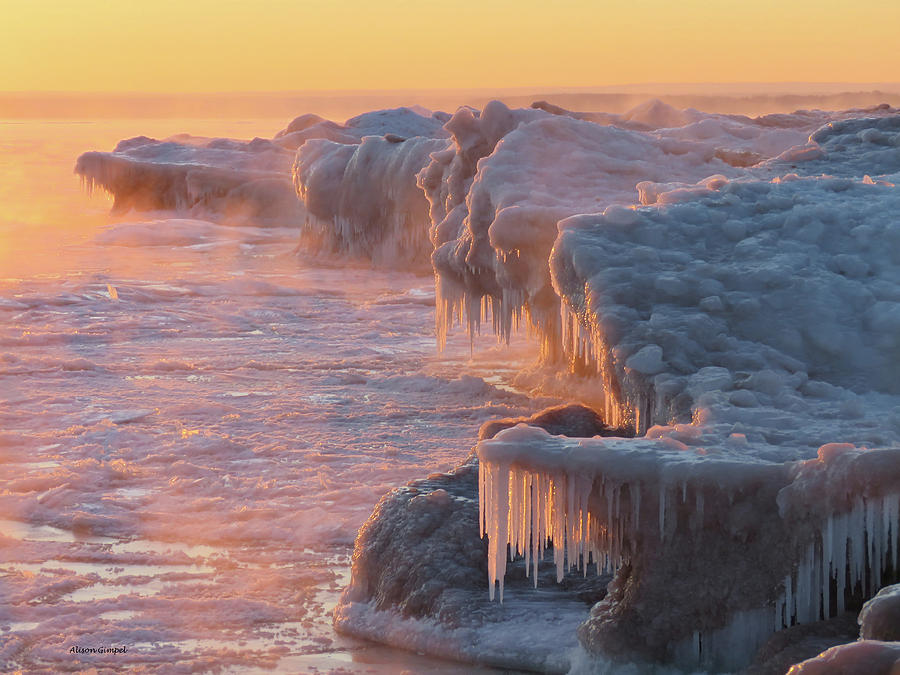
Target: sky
x,y
291,45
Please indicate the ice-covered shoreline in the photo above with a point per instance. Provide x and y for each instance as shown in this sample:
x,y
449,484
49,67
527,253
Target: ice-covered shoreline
x,y
731,281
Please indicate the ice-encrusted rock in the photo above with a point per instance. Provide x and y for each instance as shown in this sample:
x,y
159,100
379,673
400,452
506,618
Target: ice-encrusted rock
x,y
573,419
880,616
866,657
802,642
419,567
757,544
877,651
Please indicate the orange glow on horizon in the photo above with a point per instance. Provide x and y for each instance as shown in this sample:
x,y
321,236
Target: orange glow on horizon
x,y
282,45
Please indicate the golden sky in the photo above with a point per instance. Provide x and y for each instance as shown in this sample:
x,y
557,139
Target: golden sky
x,y
277,45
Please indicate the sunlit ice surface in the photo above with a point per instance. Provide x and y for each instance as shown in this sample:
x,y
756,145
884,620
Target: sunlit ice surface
x,y
195,420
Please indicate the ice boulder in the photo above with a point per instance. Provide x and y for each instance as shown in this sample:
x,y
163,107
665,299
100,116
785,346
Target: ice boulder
x,y
866,657
880,616
419,568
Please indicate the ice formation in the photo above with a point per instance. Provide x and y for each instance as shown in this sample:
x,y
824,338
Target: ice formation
x,y
220,177
746,326
511,175
360,193
252,181
362,198
730,281
771,543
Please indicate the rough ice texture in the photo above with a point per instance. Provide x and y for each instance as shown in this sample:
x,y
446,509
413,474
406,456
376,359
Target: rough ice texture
x,y
495,205
201,177
880,616
419,567
849,148
777,293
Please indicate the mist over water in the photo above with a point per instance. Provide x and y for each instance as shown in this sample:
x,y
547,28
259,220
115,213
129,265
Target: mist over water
x,y
195,420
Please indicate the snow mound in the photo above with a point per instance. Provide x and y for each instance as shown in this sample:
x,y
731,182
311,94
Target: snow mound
x,y
400,122
403,122
656,114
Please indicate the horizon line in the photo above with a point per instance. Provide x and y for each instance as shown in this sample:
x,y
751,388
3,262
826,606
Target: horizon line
x,y
449,90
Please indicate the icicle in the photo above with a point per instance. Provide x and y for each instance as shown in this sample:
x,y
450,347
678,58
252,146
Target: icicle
x,y
636,499
662,511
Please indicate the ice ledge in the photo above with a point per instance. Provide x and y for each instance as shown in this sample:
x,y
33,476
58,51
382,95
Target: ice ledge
x,y
714,552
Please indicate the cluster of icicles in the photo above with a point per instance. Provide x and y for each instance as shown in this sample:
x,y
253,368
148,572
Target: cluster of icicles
x,y
851,548
563,338
525,509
